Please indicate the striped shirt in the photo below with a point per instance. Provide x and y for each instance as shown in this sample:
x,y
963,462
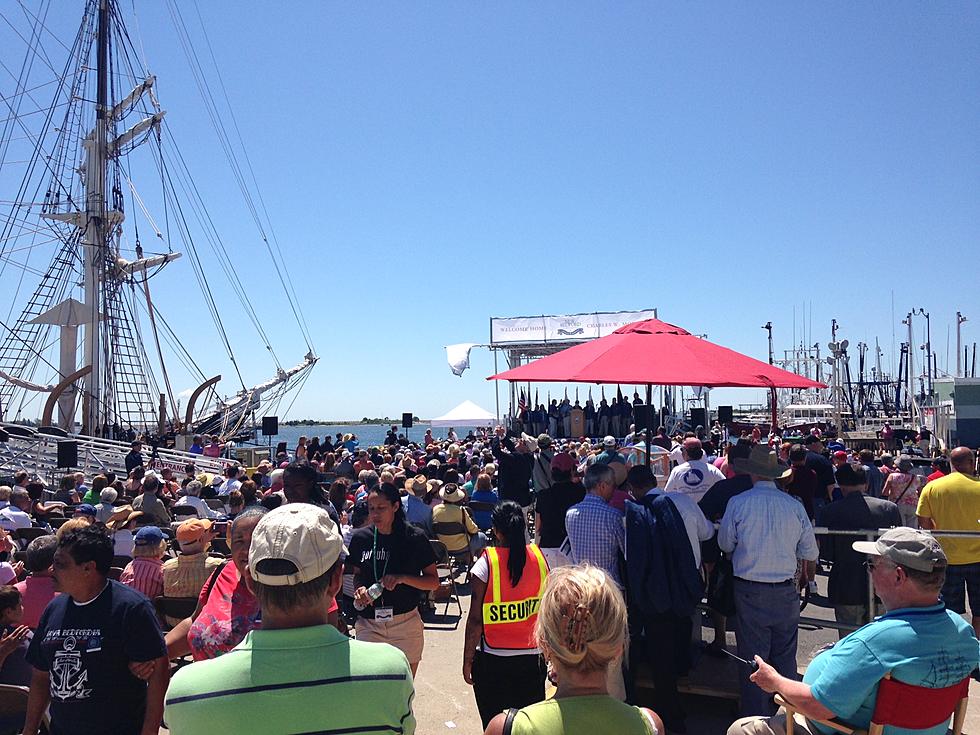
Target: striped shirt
x,y
312,679
766,531
144,575
596,534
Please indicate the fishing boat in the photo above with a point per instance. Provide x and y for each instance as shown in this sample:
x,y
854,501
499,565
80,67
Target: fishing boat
x,y
86,352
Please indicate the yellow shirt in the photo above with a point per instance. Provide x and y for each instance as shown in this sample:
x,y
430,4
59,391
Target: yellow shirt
x,y
953,503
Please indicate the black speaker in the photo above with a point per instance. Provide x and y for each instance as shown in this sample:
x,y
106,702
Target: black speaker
x,y
67,454
270,426
645,417
697,417
406,421
725,415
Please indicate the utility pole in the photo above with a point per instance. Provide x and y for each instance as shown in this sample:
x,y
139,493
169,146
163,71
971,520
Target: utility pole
x,y
909,373
768,327
959,349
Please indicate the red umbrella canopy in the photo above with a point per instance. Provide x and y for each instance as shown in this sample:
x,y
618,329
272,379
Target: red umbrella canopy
x,y
657,353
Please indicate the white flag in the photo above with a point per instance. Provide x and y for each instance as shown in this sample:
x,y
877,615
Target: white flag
x,y
459,357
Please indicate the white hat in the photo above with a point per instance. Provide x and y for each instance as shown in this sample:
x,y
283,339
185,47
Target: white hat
x,y
609,441
300,533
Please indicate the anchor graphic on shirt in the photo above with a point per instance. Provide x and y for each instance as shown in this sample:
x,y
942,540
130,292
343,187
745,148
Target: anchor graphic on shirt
x,y
68,679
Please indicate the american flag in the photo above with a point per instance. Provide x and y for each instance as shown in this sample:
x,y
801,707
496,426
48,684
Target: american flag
x,y
521,402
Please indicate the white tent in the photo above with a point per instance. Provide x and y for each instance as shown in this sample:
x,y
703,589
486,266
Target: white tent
x,y
466,413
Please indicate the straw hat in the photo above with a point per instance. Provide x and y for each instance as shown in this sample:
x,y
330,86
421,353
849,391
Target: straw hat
x,y
452,493
122,517
761,462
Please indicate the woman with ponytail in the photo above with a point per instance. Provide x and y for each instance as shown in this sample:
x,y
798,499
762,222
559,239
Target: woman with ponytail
x,y
392,562
500,658
581,630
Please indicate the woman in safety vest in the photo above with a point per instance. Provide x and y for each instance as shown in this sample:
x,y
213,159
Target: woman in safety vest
x,y
501,659
581,628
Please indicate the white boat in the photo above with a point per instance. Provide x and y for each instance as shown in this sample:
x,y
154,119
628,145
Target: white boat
x,y
91,353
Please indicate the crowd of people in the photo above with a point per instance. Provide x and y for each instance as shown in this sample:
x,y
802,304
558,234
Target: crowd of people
x,y
288,583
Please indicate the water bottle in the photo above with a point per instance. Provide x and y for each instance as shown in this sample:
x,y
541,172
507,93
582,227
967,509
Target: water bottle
x,y
374,592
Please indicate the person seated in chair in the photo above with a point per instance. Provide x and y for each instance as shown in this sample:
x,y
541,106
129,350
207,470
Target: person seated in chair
x,y
454,526
918,641
186,575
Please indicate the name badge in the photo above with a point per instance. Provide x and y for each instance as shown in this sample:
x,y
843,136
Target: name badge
x,y
383,613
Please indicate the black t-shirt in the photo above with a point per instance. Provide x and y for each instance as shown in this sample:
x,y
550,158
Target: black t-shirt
x,y
86,650
552,504
405,551
824,469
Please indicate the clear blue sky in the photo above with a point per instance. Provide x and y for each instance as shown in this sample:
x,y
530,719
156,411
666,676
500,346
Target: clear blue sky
x,y
430,165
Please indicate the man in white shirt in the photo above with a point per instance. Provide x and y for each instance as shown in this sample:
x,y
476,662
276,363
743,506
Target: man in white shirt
x,y
695,475
231,481
192,498
14,516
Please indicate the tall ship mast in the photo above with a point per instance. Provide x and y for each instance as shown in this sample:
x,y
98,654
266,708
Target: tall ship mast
x,y
88,351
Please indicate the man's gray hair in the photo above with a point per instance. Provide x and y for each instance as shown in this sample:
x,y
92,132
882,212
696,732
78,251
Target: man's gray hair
x,y
596,474
193,488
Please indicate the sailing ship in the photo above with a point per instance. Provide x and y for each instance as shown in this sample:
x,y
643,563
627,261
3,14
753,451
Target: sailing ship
x,y
91,355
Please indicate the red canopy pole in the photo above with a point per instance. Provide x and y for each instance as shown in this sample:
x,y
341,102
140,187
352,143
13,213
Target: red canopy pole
x,y
649,433
775,409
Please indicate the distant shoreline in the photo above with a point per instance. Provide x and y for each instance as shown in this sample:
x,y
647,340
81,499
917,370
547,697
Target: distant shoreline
x,y
370,422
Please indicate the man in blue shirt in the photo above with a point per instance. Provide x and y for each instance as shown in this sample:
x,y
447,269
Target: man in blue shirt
x,y
766,530
917,640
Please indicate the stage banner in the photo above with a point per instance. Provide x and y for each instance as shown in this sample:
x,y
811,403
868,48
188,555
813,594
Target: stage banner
x,y
567,328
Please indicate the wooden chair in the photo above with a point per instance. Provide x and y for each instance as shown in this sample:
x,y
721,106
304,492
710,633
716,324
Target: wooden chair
x,y
13,706
445,563
904,705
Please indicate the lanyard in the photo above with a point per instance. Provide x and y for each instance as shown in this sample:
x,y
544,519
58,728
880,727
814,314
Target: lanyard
x,y
374,558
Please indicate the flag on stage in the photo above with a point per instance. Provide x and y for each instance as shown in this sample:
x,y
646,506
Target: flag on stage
x,y
521,402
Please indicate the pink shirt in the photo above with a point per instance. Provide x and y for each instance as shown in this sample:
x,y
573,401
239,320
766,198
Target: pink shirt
x,y
36,592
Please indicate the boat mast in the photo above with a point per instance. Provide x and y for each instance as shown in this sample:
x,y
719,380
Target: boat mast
x,y
94,241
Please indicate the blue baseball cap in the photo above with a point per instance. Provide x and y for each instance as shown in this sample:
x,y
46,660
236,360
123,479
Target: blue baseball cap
x,y
85,509
148,536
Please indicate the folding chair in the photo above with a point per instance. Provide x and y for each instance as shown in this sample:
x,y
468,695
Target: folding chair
x,y
444,562
115,573
906,706
175,608
121,561
215,504
461,559
183,512
23,536
13,708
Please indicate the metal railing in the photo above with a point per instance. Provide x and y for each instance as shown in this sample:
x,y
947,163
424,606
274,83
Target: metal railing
x,y
869,535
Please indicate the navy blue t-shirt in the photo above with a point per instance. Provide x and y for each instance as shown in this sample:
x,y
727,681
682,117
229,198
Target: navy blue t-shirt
x,y
86,650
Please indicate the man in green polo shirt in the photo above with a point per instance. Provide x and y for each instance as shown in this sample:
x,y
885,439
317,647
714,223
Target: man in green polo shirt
x,y
297,673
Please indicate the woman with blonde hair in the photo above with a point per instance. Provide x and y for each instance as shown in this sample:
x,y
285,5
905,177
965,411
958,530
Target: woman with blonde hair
x,y
581,629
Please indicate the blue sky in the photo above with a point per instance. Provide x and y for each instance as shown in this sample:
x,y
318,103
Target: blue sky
x,y
429,165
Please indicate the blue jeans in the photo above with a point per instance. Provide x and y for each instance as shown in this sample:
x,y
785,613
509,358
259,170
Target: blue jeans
x,y
766,619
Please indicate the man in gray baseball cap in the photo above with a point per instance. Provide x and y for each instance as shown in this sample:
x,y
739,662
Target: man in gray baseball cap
x,y
917,640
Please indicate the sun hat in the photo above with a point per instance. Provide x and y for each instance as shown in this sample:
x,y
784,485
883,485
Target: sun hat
x,y
451,493
563,462
761,462
609,441
544,441
300,533
908,547
148,536
619,472
193,529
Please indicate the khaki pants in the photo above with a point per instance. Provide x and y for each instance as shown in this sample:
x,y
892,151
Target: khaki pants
x,y
775,725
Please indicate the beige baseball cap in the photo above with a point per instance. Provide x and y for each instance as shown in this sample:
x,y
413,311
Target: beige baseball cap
x,y
906,546
300,533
